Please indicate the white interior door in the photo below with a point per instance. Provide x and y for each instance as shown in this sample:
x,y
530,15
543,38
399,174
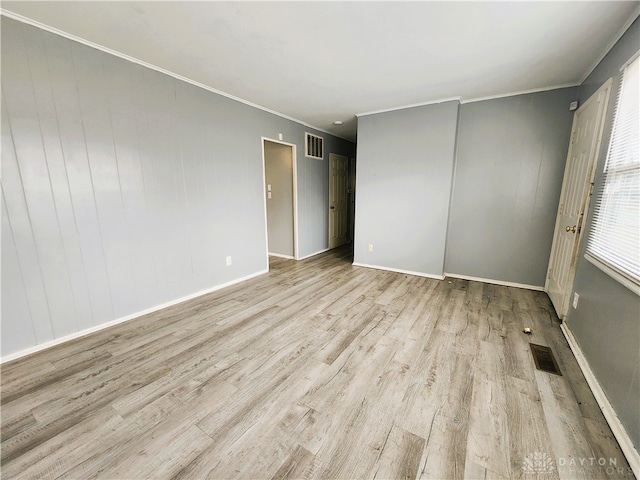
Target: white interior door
x,y
586,134
338,204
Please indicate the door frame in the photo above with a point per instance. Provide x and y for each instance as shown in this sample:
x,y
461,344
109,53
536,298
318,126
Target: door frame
x,y
329,200
294,163
586,200
352,199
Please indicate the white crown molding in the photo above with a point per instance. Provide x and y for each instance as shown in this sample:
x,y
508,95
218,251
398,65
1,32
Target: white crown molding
x,y
462,100
61,33
413,105
520,92
613,42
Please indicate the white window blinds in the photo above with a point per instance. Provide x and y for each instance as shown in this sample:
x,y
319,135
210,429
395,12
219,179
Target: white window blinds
x,y
615,235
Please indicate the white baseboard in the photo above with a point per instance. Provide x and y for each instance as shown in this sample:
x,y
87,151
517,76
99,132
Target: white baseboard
x,y
102,326
397,270
537,288
288,257
314,254
630,452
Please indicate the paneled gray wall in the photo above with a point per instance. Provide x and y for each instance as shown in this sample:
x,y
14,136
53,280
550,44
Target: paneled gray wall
x,y
509,169
606,323
279,175
124,189
403,183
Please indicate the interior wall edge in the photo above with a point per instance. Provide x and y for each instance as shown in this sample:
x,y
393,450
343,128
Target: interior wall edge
x,y
521,92
314,254
399,270
413,105
452,189
509,160
503,283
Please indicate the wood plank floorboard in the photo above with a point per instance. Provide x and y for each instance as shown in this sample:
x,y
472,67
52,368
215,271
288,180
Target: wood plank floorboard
x,y
318,369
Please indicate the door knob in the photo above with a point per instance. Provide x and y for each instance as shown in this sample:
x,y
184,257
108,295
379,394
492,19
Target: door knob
x,y
570,229
332,207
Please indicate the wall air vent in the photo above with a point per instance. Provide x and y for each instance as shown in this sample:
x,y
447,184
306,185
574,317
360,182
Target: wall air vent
x,y
313,146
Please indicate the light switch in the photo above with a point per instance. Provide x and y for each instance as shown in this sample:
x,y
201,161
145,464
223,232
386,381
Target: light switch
x,y
268,187
268,194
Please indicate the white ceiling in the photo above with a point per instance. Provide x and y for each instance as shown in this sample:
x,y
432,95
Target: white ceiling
x,y
324,61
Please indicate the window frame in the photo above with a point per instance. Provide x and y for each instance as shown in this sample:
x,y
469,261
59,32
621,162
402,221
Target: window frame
x,y
611,173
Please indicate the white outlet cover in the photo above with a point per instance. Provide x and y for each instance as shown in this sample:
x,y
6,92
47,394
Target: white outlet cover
x,y
228,259
576,297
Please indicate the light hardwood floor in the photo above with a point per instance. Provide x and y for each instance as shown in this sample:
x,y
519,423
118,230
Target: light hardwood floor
x,y
316,370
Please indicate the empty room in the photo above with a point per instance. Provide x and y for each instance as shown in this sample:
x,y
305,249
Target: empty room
x,y
333,240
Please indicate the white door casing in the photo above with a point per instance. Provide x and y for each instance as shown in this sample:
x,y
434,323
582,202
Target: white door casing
x,y
586,135
294,193
352,199
338,200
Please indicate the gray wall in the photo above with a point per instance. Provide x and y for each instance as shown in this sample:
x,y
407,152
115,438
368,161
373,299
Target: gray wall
x,y
403,183
606,324
509,168
124,189
279,174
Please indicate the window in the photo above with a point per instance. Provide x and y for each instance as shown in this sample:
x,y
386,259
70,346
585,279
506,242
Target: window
x,y
614,242
313,146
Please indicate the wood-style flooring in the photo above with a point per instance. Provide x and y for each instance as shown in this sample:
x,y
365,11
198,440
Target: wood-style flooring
x,y
318,369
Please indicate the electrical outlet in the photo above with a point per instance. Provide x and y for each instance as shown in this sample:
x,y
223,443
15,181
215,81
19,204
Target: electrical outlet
x,y
371,247
576,297
228,261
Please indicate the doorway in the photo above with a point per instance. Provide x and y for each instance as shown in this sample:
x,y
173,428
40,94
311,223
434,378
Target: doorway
x,y
586,135
338,200
279,163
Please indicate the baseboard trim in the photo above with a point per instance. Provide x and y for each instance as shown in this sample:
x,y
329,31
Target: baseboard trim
x,y
288,257
314,254
397,270
111,323
630,452
496,282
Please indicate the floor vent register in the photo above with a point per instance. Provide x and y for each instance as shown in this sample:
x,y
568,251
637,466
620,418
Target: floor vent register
x,y
544,359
